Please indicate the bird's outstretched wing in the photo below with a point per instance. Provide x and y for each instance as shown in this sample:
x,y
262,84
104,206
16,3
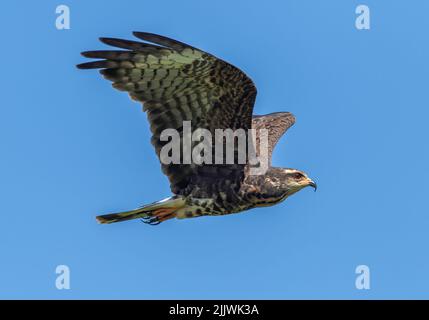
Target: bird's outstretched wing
x,y
176,83
276,124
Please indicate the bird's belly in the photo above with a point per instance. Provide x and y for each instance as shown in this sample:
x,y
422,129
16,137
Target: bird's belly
x,y
209,207
192,210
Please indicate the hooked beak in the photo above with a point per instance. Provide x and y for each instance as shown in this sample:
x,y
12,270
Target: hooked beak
x,y
313,184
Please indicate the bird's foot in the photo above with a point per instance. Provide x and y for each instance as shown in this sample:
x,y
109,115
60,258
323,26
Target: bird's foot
x,y
157,216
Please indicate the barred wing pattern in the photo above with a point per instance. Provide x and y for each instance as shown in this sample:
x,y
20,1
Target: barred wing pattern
x,y
176,83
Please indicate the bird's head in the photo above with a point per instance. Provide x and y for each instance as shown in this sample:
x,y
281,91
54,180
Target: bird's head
x,y
295,180
280,183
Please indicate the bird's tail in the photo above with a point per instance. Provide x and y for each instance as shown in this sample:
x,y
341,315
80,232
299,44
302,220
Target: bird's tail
x,y
153,213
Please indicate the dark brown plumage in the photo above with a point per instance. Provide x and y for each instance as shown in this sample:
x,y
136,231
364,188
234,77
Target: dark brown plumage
x,y
176,83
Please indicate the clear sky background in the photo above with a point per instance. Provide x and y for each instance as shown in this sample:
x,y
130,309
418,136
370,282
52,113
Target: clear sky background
x,y
72,148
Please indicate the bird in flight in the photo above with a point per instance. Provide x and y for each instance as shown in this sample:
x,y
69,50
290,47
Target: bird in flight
x,y
177,83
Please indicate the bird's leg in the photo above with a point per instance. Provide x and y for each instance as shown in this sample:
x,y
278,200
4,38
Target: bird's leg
x,y
160,215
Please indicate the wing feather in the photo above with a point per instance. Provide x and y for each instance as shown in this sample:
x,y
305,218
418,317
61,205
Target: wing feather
x,y
177,82
277,124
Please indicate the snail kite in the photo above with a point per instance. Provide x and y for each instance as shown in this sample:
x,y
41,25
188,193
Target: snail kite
x,y
178,83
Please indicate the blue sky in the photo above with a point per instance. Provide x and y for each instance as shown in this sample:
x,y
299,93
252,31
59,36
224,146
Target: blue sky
x,y
72,148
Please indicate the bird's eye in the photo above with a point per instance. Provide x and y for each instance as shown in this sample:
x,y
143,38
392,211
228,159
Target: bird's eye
x,y
298,176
